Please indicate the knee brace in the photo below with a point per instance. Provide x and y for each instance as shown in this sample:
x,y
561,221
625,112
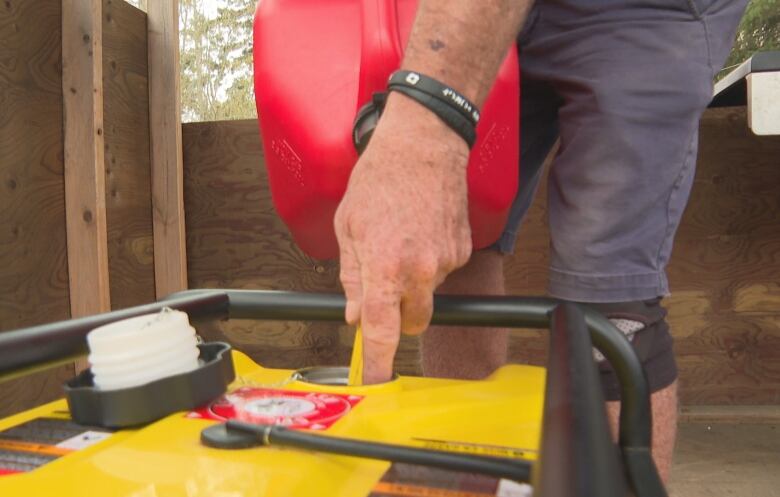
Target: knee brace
x,y
644,324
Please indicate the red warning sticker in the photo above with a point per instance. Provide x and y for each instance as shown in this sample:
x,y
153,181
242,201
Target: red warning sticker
x,y
290,408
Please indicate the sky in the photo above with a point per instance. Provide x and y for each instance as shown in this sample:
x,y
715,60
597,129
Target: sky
x,y
210,6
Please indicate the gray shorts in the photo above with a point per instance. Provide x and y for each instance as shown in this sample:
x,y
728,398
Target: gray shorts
x,y
623,84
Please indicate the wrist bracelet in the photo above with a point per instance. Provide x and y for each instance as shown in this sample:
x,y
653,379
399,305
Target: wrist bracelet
x,y
425,84
454,109
451,117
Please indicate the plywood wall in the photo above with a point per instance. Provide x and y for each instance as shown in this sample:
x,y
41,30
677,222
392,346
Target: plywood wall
x,y
128,170
725,271
725,308
33,245
33,258
236,240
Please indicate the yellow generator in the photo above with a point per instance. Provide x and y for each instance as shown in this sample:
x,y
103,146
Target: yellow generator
x,y
231,428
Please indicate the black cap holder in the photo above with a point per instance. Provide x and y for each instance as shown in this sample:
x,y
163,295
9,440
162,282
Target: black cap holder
x,y
146,403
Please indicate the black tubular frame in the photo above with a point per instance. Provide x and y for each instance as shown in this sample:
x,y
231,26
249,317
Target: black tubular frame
x,y
575,434
49,344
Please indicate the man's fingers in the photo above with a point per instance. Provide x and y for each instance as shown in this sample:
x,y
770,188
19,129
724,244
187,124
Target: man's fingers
x,y
416,310
381,322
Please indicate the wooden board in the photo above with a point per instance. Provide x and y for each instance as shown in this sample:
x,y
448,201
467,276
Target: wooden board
x,y
170,262
85,188
33,260
725,269
768,414
128,170
724,460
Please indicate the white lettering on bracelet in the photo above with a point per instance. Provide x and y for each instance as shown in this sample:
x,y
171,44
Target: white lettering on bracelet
x,y
461,102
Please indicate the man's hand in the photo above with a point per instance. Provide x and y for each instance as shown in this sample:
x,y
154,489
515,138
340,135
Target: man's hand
x,y
402,227
403,223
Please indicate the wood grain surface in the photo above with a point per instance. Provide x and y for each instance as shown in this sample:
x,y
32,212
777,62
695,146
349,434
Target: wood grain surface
x,y
725,304
734,414
85,176
170,264
128,174
715,459
33,258
725,269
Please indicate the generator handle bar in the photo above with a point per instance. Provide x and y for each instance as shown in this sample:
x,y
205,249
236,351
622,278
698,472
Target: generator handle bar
x,y
488,311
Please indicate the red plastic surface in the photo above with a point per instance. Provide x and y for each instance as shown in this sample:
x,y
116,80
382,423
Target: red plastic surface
x,y
316,63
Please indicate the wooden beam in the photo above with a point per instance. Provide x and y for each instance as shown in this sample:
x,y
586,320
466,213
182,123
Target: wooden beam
x,y
85,177
762,414
170,254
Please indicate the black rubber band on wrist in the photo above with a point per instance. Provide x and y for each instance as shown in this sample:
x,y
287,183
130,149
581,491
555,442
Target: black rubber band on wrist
x,y
434,88
366,120
449,115
455,110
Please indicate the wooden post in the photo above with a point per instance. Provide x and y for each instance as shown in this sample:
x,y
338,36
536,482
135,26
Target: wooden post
x,y
170,254
85,175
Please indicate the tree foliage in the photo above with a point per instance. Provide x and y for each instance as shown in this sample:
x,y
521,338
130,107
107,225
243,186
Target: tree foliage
x,y
758,31
216,59
216,53
215,38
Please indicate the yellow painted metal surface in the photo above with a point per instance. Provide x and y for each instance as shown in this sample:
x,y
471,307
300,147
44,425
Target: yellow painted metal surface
x,y
356,362
166,458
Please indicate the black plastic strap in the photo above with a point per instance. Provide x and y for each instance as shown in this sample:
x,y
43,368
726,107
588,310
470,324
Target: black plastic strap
x,y
434,88
446,113
366,120
460,114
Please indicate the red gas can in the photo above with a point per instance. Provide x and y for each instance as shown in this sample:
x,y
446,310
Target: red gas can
x,y
316,63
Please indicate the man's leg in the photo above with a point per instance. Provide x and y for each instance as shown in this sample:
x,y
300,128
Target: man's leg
x,y
621,179
634,78
644,324
465,352
474,353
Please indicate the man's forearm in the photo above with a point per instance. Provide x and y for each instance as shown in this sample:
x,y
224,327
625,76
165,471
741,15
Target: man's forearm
x,y
462,43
